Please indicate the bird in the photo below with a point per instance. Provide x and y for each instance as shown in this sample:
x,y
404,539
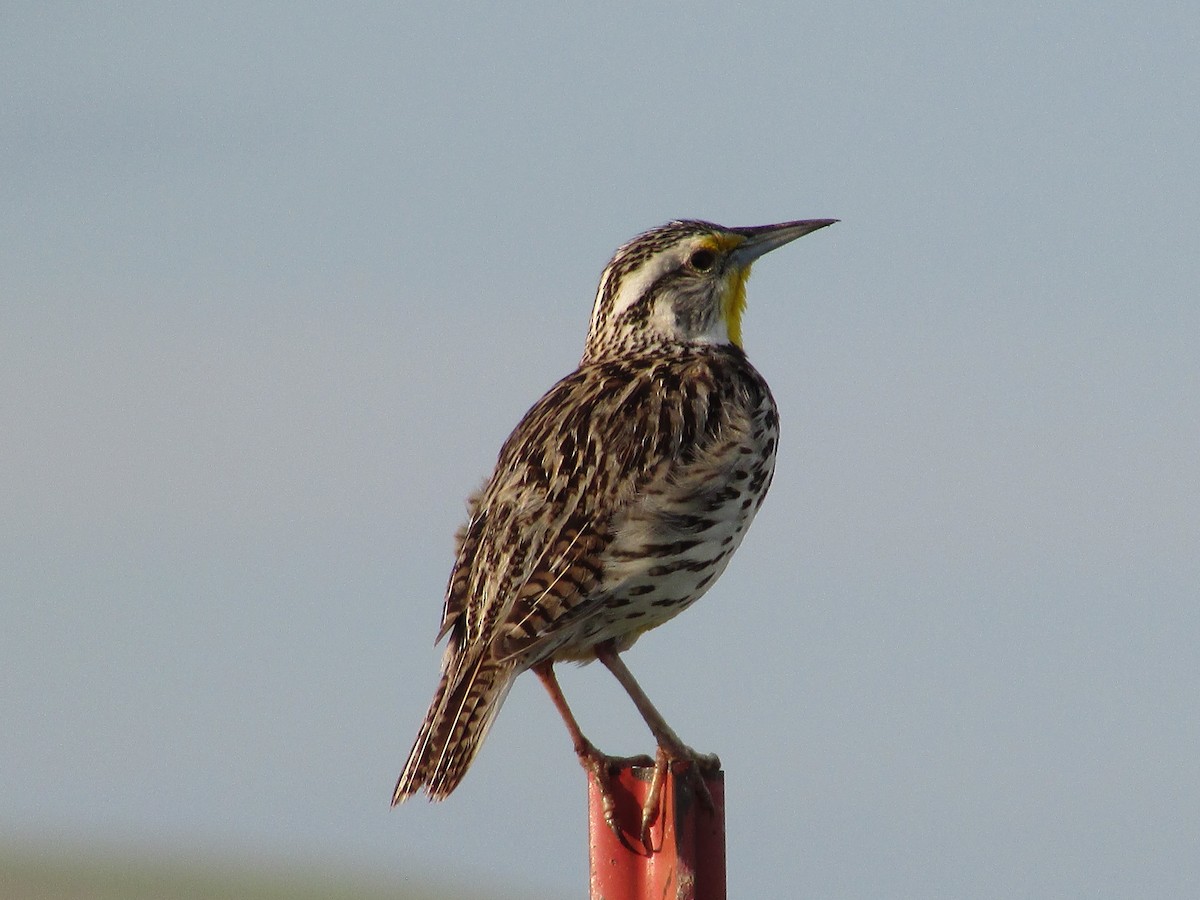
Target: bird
x,y
616,502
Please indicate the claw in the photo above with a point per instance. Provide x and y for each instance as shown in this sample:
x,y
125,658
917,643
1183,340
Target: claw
x,y
602,766
695,767
650,809
703,764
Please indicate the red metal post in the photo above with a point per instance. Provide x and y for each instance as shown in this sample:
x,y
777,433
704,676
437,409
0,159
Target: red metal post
x,y
684,856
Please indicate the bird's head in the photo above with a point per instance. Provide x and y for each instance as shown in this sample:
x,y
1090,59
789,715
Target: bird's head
x,y
682,283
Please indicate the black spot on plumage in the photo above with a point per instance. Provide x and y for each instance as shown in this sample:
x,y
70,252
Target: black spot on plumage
x,y
640,395
638,313
668,380
710,425
716,500
686,523
759,483
665,421
679,565
566,450
674,548
536,473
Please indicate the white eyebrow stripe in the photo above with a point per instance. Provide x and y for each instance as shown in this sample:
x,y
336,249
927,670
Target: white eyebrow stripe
x,y
635,284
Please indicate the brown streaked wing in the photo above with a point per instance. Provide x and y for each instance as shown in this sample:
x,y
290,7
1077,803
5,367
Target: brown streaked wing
x,y
467,541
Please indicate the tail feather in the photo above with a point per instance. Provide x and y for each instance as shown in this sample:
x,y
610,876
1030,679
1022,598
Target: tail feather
x,y
463,709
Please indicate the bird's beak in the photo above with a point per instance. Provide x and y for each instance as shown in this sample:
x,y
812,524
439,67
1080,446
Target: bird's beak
x,y
762,239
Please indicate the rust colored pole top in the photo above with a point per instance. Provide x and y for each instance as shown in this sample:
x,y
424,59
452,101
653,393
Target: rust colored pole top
x,y
683,854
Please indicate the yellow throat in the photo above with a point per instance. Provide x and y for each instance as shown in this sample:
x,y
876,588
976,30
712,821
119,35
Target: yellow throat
x,y
735,303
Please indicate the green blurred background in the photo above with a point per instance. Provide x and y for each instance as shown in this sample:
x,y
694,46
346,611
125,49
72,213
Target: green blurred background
x,y
31,873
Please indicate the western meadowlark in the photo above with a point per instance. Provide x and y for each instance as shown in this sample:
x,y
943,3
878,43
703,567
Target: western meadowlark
x,y
617,501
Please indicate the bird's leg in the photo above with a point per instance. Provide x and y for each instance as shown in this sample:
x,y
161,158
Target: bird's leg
x,y
600,765
670,748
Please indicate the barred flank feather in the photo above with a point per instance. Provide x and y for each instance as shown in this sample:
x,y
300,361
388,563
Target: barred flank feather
x,y
463,709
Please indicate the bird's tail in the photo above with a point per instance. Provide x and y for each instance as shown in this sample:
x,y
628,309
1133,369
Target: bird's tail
x,y
463,709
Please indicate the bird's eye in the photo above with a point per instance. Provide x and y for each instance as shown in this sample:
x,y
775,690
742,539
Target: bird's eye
x,y
702,260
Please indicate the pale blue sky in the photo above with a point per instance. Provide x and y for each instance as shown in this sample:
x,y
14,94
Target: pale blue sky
x,y
277,279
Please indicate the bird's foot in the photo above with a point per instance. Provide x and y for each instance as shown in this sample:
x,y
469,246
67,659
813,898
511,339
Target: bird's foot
x,y
695,767
602,767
